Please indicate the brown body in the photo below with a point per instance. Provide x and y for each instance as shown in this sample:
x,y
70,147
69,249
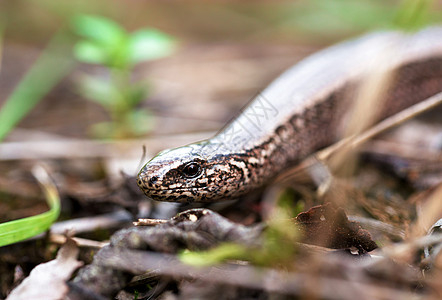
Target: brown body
x,y
297,114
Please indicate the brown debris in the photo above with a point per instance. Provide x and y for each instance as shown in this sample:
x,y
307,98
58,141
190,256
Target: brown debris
x,y
51,275
196,229
327,226
410,154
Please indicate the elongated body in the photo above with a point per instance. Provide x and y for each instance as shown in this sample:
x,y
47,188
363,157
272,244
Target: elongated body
x,y
295,115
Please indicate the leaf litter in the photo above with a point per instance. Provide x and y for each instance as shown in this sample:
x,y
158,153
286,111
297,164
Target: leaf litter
x,y
48,280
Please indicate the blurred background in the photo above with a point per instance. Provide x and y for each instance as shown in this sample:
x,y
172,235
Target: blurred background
x,y
223,54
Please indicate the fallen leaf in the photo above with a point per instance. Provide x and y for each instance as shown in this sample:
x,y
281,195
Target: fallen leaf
x,y
48,280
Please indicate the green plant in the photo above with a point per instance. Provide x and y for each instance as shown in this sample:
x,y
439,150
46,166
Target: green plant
x,y
106,43
340,18
413,14
54,63
18,230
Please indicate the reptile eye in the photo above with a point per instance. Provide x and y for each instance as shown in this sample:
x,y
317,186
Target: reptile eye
x,y
191,170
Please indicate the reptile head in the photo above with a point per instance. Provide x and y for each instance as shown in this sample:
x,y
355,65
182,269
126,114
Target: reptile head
x,y
192,173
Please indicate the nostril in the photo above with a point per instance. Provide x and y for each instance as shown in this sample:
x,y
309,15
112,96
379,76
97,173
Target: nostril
x,y
153,179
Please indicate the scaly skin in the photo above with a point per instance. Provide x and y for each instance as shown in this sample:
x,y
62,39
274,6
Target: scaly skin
x,y
296,115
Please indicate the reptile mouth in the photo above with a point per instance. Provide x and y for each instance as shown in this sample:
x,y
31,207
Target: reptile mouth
x,y
181,195
179,189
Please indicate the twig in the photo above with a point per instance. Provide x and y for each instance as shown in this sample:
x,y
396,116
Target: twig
x,y
61,239
406,249
402,116
149,222
379,225
92,223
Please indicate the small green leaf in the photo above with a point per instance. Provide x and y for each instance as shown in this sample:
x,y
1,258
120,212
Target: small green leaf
x,y
286,202
98,29
137,94
90,52
141,121
120,56
98,90
215,255
150,44
105,41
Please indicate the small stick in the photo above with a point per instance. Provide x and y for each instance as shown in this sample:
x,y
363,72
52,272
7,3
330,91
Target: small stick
x,y
149,222
402,116
81,242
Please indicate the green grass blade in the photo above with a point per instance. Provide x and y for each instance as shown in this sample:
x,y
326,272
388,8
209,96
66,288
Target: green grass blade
x,y
19,230
47,71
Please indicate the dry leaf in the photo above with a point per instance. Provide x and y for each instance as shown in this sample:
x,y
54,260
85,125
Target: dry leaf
x,y
48,280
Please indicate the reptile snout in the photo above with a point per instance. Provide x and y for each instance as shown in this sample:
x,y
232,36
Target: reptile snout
x,y
147,180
